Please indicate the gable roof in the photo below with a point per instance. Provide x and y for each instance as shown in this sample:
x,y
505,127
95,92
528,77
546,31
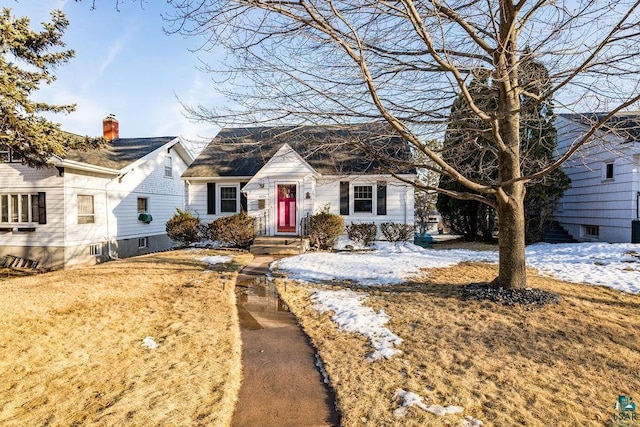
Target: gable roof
x,y
120,152
625,125
329,149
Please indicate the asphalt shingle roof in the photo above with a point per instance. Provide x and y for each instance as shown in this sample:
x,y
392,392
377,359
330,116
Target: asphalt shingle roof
x,y
330,150
120,152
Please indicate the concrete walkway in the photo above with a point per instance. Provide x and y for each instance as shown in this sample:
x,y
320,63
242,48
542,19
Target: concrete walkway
x,y
281,385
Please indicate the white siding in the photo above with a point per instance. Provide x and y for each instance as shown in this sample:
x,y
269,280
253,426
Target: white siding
x,y
592,199
19,179
400,199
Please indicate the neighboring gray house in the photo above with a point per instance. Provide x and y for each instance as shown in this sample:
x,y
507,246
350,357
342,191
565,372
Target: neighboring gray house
x,y
92,205
603,203
281,175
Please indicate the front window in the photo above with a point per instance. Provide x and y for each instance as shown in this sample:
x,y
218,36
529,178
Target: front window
x,y
229,199
19,208
363,198
86,213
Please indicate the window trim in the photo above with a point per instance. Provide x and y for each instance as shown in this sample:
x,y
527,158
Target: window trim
x,y
355,198
92,215
219,199
609,171
143,242
146,204
168,167
95,249
591,231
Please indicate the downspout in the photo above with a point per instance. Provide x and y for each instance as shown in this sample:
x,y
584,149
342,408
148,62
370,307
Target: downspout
x,y
110,253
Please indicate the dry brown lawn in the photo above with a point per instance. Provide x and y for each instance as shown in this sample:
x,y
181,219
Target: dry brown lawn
x,y
72,353
561,365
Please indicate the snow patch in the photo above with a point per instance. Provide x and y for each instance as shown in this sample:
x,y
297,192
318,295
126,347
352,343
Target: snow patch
x,y
410,399
351,315
215,259
149,343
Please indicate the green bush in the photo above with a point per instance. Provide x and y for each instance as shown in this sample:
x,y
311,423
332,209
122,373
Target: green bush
x,y
183,227
235,230
324,229
396,232
362,233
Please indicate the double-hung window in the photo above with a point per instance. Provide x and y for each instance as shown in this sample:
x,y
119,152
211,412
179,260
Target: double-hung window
x,y
86,212
168,167
228,199
362,198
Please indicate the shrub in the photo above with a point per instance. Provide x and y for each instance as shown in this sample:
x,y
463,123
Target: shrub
x,y
235,230
183,227
324,229
395,232
362,233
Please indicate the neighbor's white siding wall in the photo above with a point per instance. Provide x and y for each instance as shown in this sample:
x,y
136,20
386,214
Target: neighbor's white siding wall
x,y
593,200
16,178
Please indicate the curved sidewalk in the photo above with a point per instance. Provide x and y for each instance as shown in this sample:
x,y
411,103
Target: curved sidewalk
x,y
281,385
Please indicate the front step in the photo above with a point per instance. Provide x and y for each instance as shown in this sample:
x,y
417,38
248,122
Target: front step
x,y
279,245
557,234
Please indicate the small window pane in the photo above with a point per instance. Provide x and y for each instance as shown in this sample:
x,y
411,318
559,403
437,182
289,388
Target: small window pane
x,y
142,204
24,208
4,208
14,208
35,208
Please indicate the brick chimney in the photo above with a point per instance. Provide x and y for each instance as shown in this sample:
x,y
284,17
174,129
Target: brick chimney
x,y
110,128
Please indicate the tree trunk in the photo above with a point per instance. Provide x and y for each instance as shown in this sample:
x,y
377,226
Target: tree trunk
x,y
511,264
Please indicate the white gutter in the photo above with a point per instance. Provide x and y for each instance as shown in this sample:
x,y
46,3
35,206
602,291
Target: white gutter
x,y
87,167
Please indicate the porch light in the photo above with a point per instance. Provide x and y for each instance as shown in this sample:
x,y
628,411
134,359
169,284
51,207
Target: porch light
x,y
308,195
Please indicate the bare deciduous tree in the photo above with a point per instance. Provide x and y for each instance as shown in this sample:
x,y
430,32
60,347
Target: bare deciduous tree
x,y
405,62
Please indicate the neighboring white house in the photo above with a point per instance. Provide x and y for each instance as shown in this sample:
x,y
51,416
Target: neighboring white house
x,y
603,203
92,205
282,175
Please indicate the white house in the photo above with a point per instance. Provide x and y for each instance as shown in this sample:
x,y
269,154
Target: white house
x,y
282,175
92,205
603,203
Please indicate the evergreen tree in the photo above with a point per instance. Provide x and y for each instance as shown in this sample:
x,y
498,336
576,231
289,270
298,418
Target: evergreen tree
x,y
466,147
26,60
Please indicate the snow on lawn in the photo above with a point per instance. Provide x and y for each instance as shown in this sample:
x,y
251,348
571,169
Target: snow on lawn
x,y
591,263
215,259
352,316
389,264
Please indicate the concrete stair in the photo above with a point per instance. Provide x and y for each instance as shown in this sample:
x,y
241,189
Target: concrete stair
x,y
556,234
289,245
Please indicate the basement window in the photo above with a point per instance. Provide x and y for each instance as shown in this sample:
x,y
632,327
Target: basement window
x,y
591,230
143,242
95,249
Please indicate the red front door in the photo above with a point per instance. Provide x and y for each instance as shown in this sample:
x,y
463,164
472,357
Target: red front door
x,y
286,208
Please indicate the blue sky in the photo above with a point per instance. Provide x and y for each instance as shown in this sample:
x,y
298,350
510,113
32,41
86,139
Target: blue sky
x,y
124,65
